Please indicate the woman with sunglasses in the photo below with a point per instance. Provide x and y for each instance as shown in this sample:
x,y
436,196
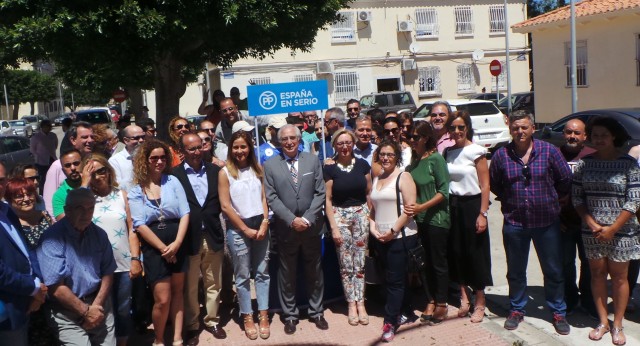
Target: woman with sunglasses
x,y
111,213
431,210
348,183
605,193
469,250
160,215
21,195
394,233
178,126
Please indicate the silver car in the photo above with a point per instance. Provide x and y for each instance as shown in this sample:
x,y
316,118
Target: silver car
x,y
5,128
21,128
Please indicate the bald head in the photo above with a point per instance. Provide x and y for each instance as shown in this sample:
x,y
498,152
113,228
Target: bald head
x,y
574,135
133,136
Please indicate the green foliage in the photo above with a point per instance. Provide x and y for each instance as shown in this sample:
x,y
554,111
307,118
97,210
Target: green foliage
x,y
27,86
538,7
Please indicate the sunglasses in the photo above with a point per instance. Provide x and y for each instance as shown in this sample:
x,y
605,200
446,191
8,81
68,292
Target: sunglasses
x,y
33,178
227,110
526,172
151,131
389,155
101,171
207,139
441,115
181,126
390,131
208,130
355,109
327,122
413,137
69,164
158,158
458,127
138,138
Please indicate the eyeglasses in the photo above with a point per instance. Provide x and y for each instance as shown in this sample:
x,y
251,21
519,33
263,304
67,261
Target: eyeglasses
x,y
208,130
526,172
33,178
407,127
227,110
389,155
22,197
155,159
459,127
100,171
152,131
69,164
194,149
413,137
342,144
206,139
287,139
138,138
390,131
327,122
181,126
441,115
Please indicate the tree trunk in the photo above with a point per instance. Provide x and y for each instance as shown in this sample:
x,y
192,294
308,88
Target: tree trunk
x,y
16,108
33,106
169,86
135,95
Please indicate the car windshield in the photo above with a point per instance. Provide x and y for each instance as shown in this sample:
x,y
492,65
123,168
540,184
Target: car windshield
x,y
97,117
30,119
17,123
475,109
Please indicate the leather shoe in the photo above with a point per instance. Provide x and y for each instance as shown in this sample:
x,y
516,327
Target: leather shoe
x,y
320,322
216,331
192,338
290,326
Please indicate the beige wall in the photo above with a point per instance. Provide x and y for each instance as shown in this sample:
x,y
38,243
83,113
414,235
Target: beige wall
x,y
379,49
611,69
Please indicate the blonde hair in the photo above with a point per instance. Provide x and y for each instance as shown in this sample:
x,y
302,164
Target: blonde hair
x,y
232,164
339,133
101,159
174,137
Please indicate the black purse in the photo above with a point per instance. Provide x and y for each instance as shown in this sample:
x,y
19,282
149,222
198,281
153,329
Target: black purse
x,y
417,255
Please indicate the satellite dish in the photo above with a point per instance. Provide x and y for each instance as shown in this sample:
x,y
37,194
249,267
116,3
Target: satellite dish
x,y
414,48
477,55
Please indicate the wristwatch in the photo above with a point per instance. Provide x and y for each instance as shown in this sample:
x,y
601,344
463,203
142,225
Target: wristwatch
x,y
135,259
485,213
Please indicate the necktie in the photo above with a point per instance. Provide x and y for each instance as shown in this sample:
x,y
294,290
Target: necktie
x,y
293,171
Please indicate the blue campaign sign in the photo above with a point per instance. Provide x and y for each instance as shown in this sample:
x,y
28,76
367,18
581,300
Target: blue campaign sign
x,y
287,97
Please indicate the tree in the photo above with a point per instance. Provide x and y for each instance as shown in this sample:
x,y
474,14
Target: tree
x,y
27,86
168,42
538,7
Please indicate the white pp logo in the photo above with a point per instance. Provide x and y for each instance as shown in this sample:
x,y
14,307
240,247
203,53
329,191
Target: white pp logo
x,y
268,100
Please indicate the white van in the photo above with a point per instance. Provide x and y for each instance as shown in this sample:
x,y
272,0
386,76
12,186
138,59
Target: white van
x,y
489,124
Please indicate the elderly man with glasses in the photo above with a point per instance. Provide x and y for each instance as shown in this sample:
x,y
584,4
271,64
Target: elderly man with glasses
x,y
122,161
333,121
438,117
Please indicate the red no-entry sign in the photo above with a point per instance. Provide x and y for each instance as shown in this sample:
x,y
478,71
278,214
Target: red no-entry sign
x,y
495,68
119,96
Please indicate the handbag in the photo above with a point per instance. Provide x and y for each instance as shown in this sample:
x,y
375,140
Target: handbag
x,y
417,255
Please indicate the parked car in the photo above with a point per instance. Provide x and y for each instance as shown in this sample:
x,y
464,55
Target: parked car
x,y
523,100
101,115
195,120
485,96
14,150
57,121
629,118
21,128
5,128
34,120
489,124
396,101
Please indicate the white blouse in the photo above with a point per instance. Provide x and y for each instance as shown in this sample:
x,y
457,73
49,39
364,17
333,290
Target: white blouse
x,y
461,163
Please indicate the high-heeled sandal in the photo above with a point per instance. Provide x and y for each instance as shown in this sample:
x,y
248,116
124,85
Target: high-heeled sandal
x,y
478,314
353,319
250,327
439,314
617,336
464,309
263,320
363,318
597,332
425,316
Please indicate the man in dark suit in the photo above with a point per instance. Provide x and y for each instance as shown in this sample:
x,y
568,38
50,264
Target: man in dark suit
x,y
21,290
204,240
295,191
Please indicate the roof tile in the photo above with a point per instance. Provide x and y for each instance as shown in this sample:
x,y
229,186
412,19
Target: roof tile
x,y
583,9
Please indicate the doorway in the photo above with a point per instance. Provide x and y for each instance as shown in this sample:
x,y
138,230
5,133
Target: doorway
x,y
388,84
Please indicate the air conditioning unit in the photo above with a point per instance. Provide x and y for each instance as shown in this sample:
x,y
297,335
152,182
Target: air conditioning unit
x,y
324,67
405,25
408,64
364,16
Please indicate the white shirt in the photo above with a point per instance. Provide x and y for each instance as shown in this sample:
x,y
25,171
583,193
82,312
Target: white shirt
x,y
245,193
55,177
123,166
461,163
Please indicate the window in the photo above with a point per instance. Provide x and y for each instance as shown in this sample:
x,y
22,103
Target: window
x,y
426,23
638,60
466,81
429,79
464,21
346,86
502,78
581,62
344,30
260,80
496,19
303,77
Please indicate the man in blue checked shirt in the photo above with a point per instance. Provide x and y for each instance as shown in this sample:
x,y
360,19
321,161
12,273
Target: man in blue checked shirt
x,y
528,177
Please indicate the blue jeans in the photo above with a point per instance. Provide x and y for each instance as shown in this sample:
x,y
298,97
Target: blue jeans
x,y
250,256
548,245
121,298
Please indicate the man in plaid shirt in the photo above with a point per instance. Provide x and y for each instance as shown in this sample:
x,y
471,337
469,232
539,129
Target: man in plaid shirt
x,y
528,177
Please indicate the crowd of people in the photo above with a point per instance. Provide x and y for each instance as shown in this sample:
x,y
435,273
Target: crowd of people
x,y
378,186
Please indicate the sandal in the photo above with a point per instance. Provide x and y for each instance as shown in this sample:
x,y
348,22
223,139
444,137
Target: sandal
x,y
177,343
426,316
597,332
478,314
464,309
263,319
249,327
617,336
439,314
363,317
